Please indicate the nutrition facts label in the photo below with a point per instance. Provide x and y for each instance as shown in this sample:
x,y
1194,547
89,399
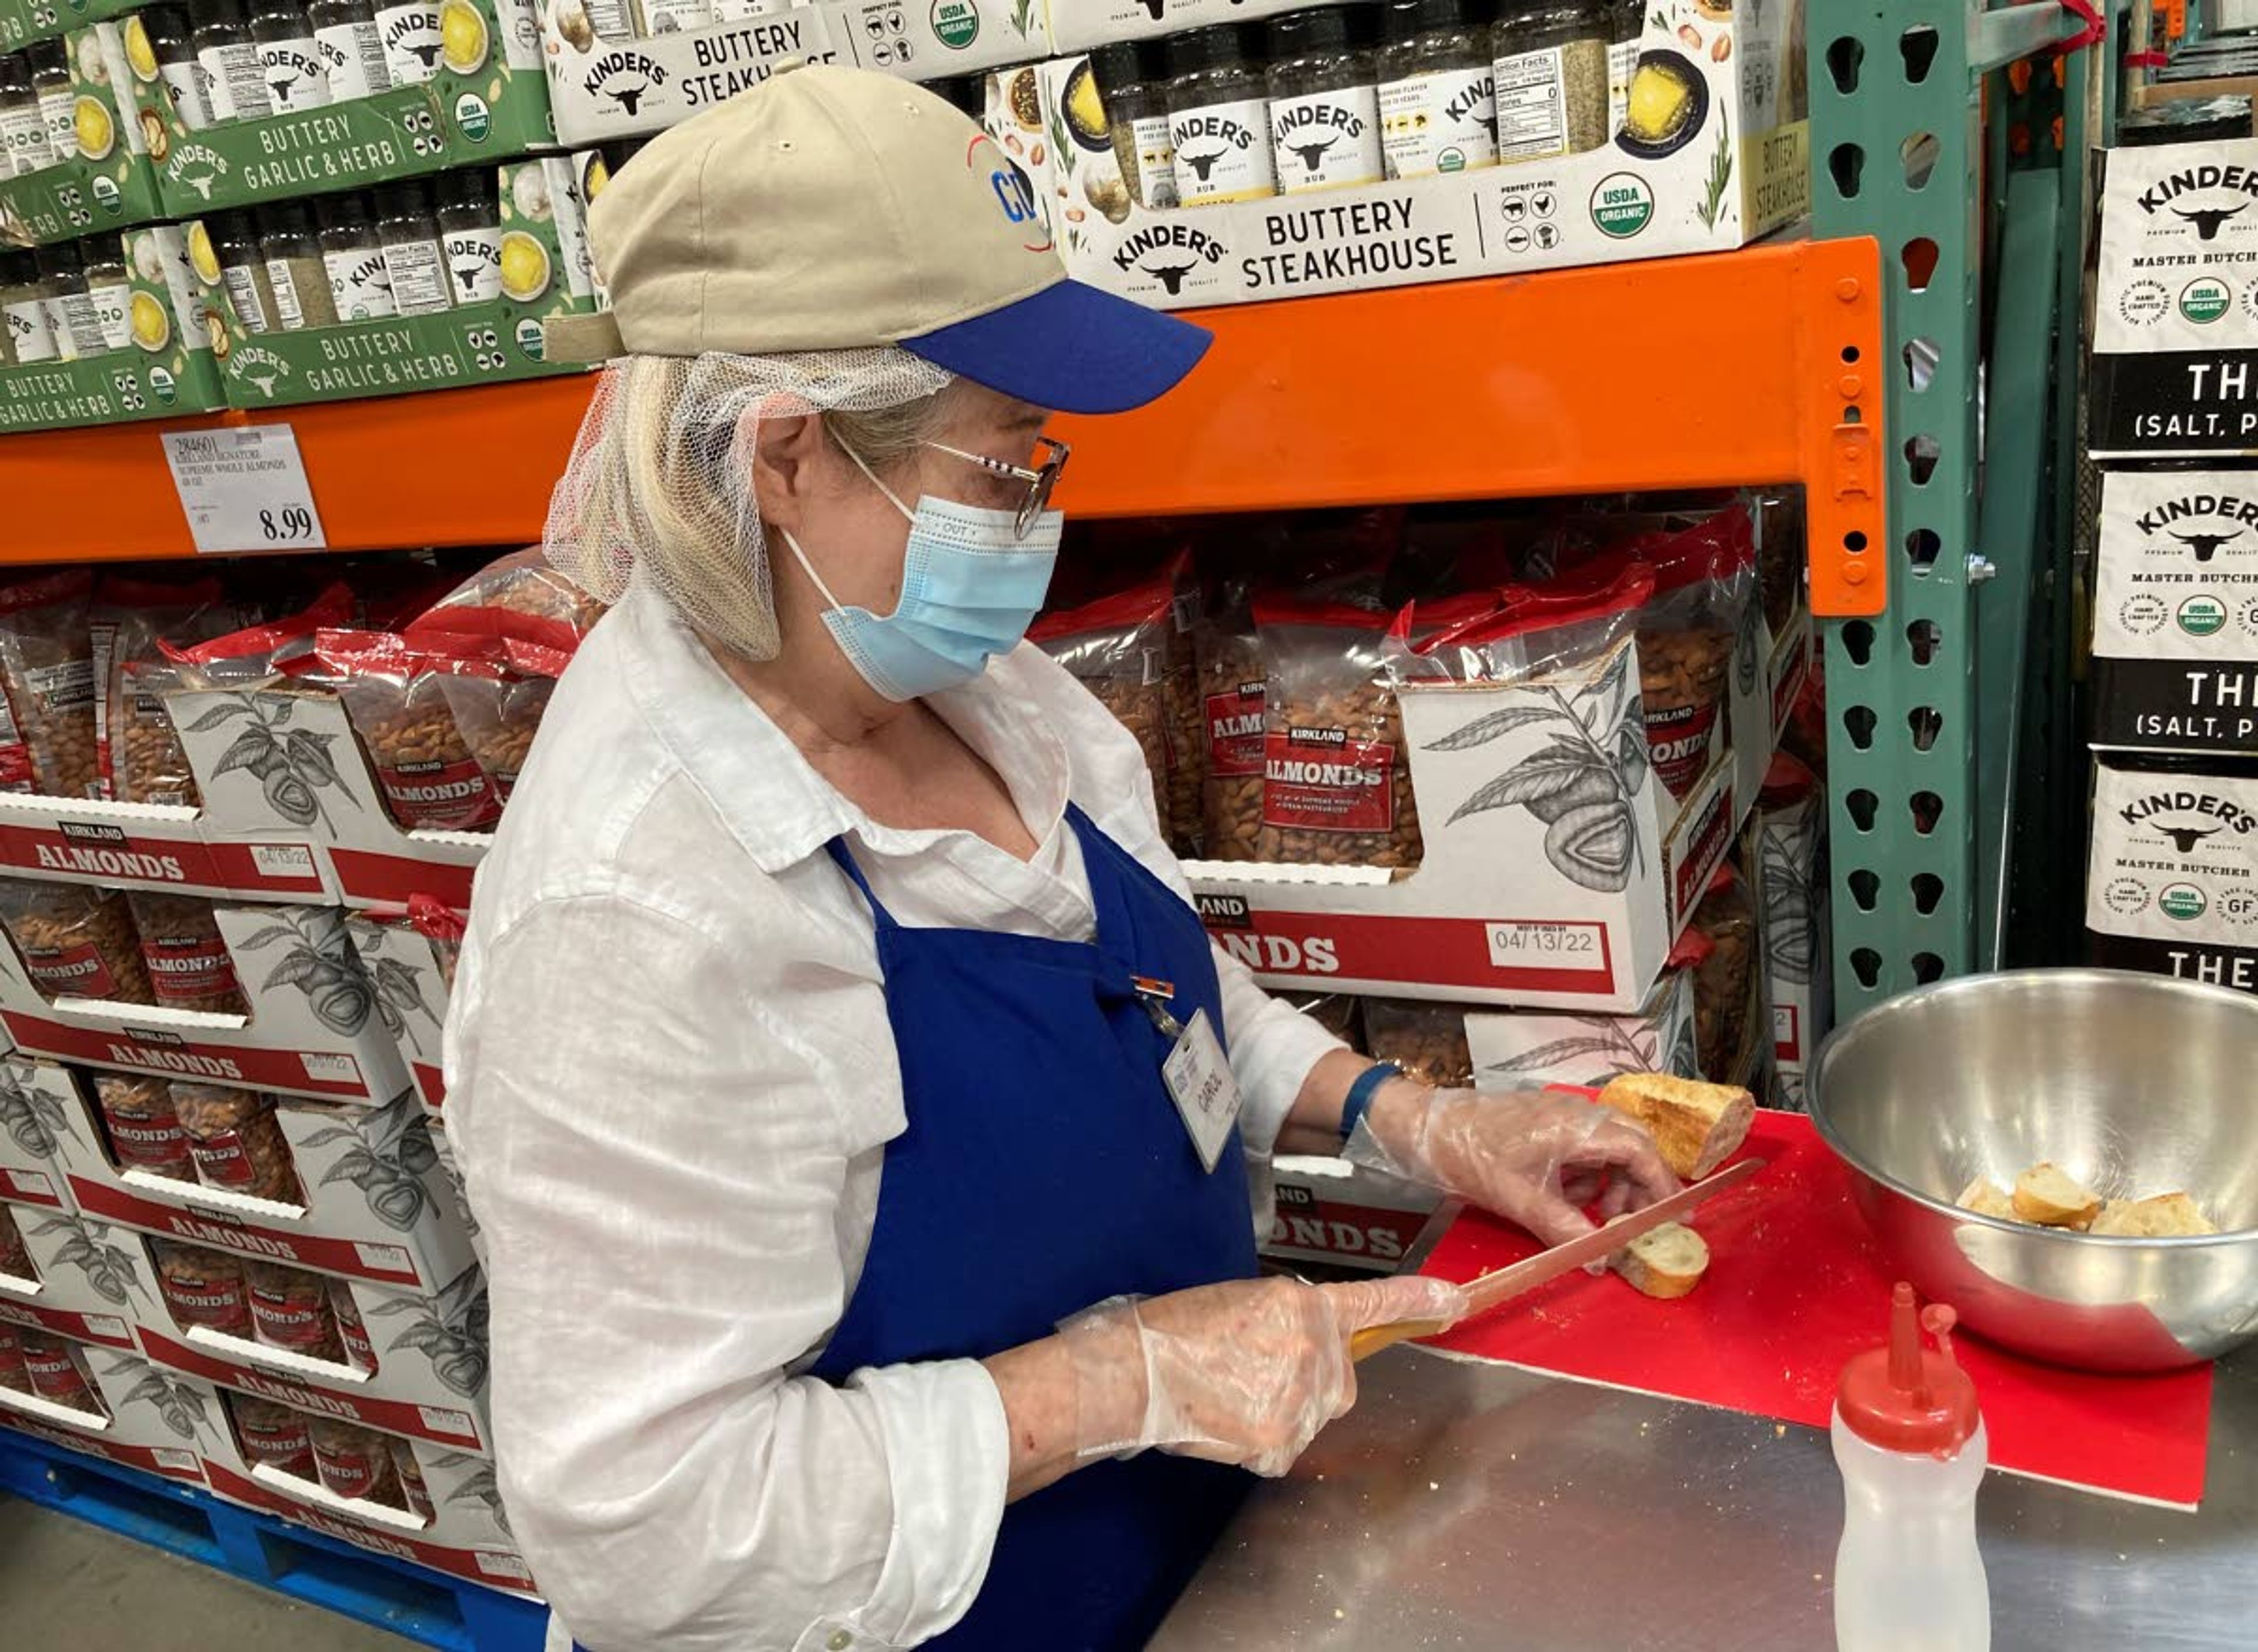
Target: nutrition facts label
x,y
1532,111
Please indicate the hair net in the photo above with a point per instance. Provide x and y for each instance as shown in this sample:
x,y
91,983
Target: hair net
x,y
660,486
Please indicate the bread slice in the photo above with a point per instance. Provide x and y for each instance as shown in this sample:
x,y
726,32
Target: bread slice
x,y
1698,1126
2054,1199
1666,1261
2162,1216
1986,1198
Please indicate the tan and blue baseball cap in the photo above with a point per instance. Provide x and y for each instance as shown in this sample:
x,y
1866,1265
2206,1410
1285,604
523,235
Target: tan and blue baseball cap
x,y
836,209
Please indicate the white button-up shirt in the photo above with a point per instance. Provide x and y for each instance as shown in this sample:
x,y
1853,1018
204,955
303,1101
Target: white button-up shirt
x,y
671,1082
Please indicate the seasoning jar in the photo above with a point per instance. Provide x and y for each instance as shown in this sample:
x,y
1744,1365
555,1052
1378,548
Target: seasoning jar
x,y
51,85
289,57
166,28
23,131
243,270
469,233
352,50
108,290
352,255
1136,99
1218,119
1324,110
1551,75
296,272
411,39
671,17
233,83
70,312
1437,100
414,267
1628,21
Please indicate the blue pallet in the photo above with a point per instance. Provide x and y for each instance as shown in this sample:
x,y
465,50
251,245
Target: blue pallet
x,y
424,1607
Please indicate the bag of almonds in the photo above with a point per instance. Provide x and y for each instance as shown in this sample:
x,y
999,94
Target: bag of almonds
x,y
203,1287
273,1433
15,1374
145,1128
391,694
444,927
1427,1040
57,1369
496,690
1336,779
354,1462
519,596
1727,984
353,1331
187,957
15,1260
236,1142
46,666
140,753
1232,685
250,657
1117,648
76,941
290,1309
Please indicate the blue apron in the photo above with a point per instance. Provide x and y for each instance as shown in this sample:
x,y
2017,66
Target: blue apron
x,y
1044,1169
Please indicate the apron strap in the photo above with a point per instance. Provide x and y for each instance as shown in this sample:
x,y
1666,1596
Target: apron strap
x,y
840,853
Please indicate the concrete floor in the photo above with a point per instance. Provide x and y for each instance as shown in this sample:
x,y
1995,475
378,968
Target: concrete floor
x,y
64,1584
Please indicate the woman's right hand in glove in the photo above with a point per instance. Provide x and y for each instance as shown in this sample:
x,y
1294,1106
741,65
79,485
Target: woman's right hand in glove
x,y
1244,1372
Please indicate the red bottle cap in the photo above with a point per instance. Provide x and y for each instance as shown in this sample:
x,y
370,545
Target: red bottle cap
x,y
1905,1397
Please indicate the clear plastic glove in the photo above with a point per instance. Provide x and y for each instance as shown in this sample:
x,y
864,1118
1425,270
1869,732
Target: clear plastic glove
x,y
1534,1157
1244,1372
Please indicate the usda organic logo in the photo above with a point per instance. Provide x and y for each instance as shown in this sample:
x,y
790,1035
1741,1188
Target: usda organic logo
x,y
2183,901
1623,205
2202,616
955,23
2205,299
529,338
472,118
106,196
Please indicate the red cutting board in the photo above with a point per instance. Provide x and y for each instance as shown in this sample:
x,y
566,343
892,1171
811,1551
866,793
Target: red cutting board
x,y
1796,1287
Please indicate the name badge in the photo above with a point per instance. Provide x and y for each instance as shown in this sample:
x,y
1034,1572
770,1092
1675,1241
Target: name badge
x,y
1199,1079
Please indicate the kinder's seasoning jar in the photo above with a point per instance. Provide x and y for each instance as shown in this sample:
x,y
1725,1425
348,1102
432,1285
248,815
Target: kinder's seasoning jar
x,y
203,1287
470,232
412,40
274,1433
243,269
236,1142
15,1375
351,1332
1136,98
355,1462
23,133
145,1129
414,267
1324,110
352,256
76,941
15,1260
289,57
185,953
234,85
352,50
1437,89
166,28
1218,119
1551,79
58,1371
290,1309
295,267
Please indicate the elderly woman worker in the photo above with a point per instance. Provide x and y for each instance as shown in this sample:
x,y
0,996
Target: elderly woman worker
x,y
858,1119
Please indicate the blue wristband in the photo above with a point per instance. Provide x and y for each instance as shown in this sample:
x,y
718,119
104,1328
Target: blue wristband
x,y
1360,1093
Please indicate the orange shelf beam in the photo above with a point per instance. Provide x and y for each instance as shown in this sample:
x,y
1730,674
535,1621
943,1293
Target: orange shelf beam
x,y
1759,365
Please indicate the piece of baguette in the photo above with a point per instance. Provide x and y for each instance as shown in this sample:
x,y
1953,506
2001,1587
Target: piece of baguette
x,y
1664,1262
1986,1198
2162,1216
1698,1126
2054,1199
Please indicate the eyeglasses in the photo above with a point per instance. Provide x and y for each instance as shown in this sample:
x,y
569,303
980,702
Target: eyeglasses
x,y
1039,481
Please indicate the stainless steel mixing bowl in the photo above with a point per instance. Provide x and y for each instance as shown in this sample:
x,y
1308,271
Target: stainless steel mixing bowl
x,y
2136,1084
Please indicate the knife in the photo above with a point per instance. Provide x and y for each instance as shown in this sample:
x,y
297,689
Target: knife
x,y
1498,1284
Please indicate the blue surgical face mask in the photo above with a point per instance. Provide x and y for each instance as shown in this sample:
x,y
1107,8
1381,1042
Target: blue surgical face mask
x,y
970,587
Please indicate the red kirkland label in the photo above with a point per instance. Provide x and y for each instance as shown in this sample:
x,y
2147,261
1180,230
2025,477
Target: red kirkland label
x,y
14,1373
350,1331
280,1441
70,972
188,969
1234,731
156,1143
296,1318
353,1472
411,1479
1679,742
221,1162
1318,780
56,1377
216,1304
452,796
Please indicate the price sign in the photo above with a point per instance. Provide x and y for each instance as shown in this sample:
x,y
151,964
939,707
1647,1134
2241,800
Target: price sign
x,y
245,489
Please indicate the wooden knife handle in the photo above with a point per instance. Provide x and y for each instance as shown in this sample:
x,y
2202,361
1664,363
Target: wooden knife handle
x,y
1369,1341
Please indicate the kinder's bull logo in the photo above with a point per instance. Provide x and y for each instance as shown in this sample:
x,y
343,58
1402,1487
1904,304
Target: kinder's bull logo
x,y
2206,807
198,166
624,77
2208,179
2206,546
1312,154
417,34
2204,513
2208,220
263,368
1176,239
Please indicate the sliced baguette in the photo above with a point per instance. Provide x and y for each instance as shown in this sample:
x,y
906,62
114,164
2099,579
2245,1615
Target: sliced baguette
x,y
2164,1217
1664,1262
2052,1198
1986,1198
1698,1126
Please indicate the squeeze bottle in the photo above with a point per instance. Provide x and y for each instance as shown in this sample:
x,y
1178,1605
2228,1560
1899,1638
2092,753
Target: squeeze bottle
x,y
1910,1443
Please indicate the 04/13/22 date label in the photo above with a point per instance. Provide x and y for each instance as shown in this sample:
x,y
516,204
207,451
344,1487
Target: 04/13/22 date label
x,y
1529,941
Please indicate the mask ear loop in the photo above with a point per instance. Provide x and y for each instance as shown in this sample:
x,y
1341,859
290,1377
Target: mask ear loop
x,y
907,513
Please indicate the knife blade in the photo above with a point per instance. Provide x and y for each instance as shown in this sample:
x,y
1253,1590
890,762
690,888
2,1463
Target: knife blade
x,y
1501,1284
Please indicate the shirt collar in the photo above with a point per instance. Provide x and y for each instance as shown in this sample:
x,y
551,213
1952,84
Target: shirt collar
x,y
768,796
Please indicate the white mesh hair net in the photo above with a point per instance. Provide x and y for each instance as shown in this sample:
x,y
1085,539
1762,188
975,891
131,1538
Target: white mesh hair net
x,y
659,485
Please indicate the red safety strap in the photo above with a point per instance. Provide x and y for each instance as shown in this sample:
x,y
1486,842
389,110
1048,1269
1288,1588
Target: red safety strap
x,y
2096,30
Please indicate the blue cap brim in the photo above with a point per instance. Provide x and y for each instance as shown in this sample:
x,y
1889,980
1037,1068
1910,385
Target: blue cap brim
x,y
1071,347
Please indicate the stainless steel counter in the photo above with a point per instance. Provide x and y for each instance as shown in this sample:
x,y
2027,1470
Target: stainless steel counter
x,y
1467,1504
